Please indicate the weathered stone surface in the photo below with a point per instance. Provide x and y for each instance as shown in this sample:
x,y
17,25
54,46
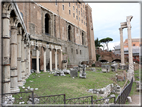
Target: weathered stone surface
x,y
82,69
73,73
105,68
114,67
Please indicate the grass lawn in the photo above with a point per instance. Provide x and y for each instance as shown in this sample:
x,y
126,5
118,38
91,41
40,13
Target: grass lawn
x,y
48,84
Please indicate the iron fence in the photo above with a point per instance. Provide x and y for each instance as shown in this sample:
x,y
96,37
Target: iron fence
x,y
105,100
52,99
121,99
80,100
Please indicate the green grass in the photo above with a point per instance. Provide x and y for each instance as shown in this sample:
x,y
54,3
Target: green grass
x,y
73,88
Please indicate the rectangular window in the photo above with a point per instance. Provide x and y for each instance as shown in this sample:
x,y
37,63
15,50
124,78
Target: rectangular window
x,y
73,14
79,12
77,17
71,50
76,51
80,52
56,2
69,12
69,4
63,7
73,8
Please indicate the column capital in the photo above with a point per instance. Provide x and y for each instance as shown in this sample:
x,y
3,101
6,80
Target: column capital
x,y
19,31
14,22
6,10
120,29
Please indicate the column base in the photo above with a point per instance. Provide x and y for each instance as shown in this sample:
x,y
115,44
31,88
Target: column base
x,y
130,74
20,84
38,72
122,66
14,90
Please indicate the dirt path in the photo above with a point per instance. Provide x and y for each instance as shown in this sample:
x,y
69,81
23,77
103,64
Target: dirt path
x,y
135,99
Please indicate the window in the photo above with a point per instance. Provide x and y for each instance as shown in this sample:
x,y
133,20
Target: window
x,y
69,4
80,52
69,12
76,4
47,18
81,9
82,38
56,2
65,49
69,33
71,50
82,21
79,12
140,44
77,17
63,7
73,14
133,44
73,8
76,51
21,14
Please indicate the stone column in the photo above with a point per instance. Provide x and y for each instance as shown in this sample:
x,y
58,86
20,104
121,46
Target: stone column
x,y
60,59
131,65
44,59
29,60
6,48
55,59
13,51
19,37
37,60
23,60
122,65
50,59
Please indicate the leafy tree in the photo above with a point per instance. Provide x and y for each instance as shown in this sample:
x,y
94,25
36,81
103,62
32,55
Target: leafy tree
x,y
97,43
106,41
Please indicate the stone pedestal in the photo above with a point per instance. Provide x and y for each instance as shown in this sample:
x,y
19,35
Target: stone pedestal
x,y
122,66
13,66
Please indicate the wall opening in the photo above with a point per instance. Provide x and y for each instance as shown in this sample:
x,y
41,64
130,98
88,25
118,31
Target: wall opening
x,y
69,33
47,18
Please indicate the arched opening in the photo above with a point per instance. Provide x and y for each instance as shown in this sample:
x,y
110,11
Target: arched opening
x,y
47,18
82,38
69,33
117,60
12,14
103,61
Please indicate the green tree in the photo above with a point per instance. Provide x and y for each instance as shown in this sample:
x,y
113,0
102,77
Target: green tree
x,y
106,41
97,43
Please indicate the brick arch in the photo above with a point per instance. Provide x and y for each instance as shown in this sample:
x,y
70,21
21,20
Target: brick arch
x,y
116,60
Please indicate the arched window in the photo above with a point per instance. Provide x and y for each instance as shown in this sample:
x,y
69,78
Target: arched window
x,y
82,38
47,18
69,33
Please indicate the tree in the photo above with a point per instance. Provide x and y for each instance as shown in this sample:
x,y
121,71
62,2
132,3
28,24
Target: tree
x,y
106,41
97,43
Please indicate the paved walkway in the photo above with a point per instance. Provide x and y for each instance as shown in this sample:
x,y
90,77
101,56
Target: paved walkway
x,y
135,99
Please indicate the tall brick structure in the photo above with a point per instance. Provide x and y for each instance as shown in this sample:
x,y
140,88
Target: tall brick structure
x,y
70,25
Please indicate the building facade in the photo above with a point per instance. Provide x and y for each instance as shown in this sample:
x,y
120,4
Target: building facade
x,y
68,25
40,36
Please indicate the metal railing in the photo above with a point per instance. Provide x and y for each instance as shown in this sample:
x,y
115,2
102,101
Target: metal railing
x,y
52,99
105,100
80,100
121,99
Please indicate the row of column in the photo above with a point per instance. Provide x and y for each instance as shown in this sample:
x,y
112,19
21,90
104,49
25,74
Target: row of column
x,y
127,25
50,53
14,53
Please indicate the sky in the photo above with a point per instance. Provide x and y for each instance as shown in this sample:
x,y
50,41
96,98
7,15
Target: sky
x,y
108,16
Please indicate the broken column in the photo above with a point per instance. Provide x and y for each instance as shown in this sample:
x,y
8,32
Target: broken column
x,y
130,73
13,51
